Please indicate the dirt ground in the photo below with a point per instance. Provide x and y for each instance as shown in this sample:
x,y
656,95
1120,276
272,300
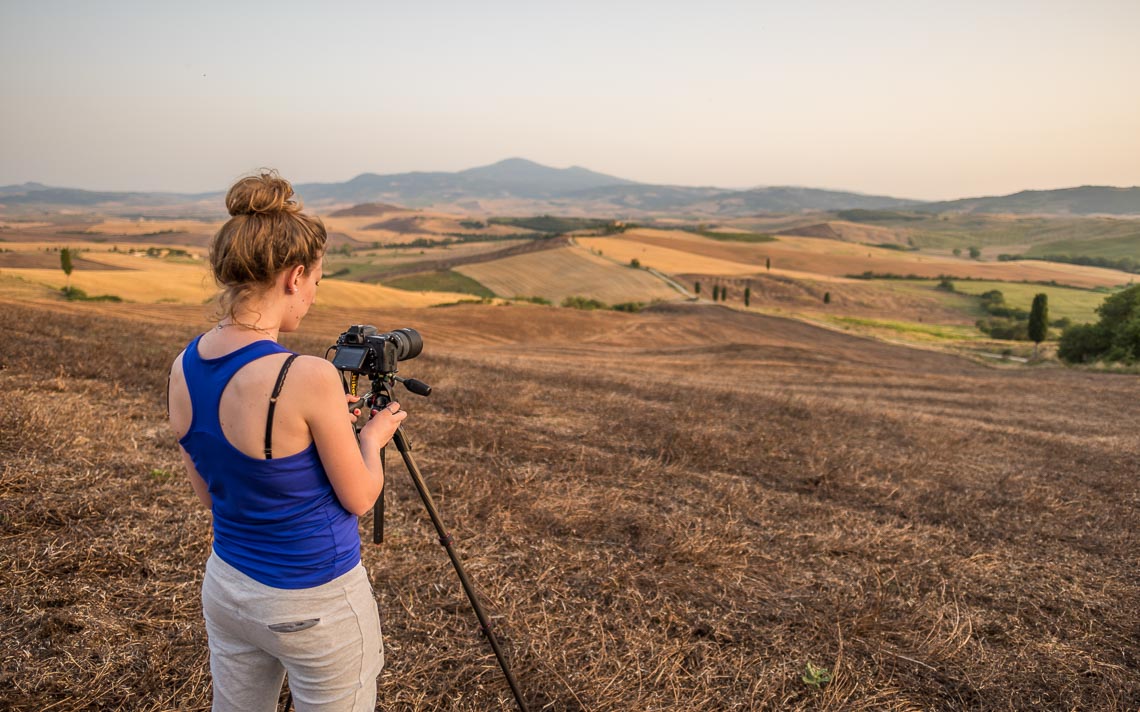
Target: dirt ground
x,y
674,510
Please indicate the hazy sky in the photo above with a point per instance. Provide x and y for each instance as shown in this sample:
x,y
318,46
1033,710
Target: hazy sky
x,y
914,99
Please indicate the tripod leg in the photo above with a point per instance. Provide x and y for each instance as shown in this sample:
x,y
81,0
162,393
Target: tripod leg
x,y
378,508
445,539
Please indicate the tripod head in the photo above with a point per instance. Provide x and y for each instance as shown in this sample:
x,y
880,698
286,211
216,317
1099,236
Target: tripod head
x,y
363,350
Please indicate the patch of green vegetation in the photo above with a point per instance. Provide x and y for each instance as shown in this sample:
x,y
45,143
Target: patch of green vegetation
x,y
484,300
860,215
1077,305
948,230
1124,264
736,236
815,677
631,307
910,328
533,300
439,281
75,294
1124,247
892,246
583,303
1115,338
560,225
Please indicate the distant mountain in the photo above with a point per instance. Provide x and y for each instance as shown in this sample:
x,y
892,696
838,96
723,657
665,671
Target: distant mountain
x,y
557,189
512,178
37,195
1085,200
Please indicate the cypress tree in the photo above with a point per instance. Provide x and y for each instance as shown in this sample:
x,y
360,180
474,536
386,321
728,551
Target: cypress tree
x,y
66,266
747,296
1039,321
827,297
697,288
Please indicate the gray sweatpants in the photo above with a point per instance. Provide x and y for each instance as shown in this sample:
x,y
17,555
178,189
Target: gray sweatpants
x,y
326,637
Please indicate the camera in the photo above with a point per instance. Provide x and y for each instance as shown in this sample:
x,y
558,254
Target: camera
x,y
364,350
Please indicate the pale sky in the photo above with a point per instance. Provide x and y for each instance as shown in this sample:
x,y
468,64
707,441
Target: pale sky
x,y
913,99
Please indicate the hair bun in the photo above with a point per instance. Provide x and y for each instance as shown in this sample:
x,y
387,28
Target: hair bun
x,y
262,194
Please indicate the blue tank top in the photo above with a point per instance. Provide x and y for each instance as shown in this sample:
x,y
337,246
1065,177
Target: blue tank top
x,y
277,521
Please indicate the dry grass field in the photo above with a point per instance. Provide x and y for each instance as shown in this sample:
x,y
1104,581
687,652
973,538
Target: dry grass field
x,y
400,226
674,510
564,272
143,226
803,256
180,280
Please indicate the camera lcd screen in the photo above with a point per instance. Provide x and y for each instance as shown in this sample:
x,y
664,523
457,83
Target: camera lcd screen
x,y
350,358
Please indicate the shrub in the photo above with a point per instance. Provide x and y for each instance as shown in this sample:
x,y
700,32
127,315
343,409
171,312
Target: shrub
x,y
583,303
1116,337
631,307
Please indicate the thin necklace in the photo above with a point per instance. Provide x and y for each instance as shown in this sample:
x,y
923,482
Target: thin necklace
x,y
251,327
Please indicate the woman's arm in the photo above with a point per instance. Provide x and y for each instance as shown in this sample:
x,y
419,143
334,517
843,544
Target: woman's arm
x,y
353,468
179,411
196,481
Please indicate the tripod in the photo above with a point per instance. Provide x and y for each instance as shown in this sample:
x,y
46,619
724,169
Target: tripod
x,y
379,397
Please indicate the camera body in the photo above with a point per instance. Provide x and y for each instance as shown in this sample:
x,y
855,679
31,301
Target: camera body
x,y
363,349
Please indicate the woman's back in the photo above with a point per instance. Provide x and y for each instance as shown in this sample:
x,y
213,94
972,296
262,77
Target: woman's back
x,y
276,519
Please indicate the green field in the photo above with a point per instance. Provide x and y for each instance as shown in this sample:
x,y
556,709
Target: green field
x,y
444,281
1078,305
736,236
1111,247
949,231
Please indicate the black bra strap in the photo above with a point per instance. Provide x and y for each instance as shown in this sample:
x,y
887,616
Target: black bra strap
x,y
273,405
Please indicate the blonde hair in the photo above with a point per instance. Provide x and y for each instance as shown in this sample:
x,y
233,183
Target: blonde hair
x,y
266,234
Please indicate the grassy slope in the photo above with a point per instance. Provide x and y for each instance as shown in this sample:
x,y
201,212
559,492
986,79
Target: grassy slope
x,y
1113,247
447,281
963,231
682,516
1076,304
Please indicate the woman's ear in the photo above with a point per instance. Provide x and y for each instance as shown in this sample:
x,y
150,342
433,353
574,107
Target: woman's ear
x,y
292,276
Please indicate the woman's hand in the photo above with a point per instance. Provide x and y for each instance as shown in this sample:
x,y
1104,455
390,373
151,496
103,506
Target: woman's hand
x,y
381,426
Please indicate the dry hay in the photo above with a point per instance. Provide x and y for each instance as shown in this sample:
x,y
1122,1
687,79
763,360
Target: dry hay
x,y
564,272
137,278
150,226
851,232
48,260
877,299
672,260
676,510
402,225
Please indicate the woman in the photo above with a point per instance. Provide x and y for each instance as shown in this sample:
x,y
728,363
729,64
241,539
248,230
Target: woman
x,y
268,444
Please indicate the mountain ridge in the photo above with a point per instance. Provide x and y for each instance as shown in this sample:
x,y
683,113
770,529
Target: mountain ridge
x,y
519,185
